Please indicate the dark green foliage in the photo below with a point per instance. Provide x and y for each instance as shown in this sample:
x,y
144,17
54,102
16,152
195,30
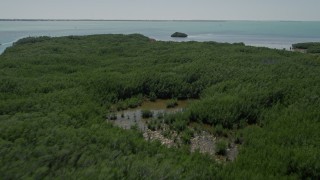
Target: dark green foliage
x,y
169,118
238,139
218,129
154,124
239,44
160,115
172,103
314,49
310,47
152,97
166,133
179,34
177,121
32,40
129,103
186,136
306,45
146,114
55,94
134,102
221,147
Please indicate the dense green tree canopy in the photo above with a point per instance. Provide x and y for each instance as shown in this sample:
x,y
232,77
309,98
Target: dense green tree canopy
x,y
311,47
55,94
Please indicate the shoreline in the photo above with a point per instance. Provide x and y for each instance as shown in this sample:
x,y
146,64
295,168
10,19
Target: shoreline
x,y
159,20
270,46
232,31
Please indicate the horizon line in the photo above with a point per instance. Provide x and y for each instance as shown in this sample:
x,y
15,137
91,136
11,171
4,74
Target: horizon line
x,y
208,20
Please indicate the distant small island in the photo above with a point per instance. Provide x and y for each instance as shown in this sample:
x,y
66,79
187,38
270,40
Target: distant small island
x,y
179,34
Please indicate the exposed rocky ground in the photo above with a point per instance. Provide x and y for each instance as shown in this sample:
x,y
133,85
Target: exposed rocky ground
x,y
203,141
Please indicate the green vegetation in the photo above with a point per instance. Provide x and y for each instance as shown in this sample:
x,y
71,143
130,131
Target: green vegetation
x,y
55,94
310,47
146,114
154,124
314,49
186,136
152,97
179,34
219,131
129,103
221,147
172,103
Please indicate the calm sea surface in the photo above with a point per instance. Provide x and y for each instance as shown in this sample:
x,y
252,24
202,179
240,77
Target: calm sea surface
x,y
273,34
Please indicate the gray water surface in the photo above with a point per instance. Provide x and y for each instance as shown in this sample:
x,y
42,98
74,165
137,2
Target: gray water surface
x,y
272,34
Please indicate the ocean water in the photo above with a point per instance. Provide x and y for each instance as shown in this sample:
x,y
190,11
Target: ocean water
x,y
272,34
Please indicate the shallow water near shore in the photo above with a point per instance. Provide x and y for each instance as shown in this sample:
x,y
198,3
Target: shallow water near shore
x,y
272,34
133,117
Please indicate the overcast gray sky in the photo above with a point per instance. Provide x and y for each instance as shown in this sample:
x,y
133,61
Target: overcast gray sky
x,y
162,9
